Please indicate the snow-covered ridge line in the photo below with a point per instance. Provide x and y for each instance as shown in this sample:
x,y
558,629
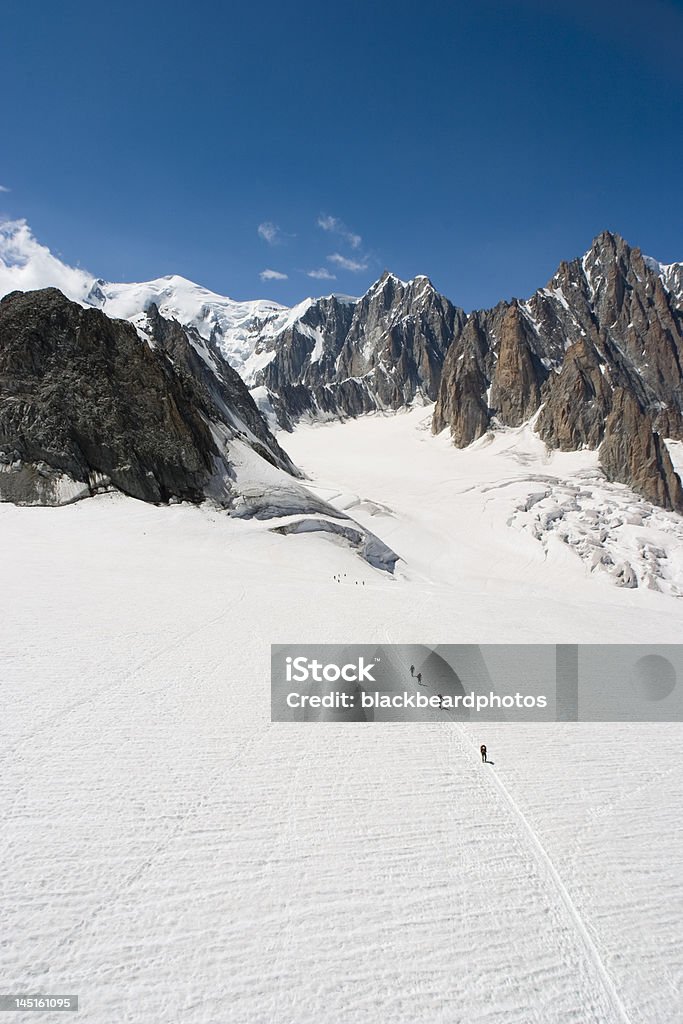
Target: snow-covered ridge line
x,y
26,264
296,351
243,330
665,270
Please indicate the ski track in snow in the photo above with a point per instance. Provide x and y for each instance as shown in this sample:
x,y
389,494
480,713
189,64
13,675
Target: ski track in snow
x,y
546,864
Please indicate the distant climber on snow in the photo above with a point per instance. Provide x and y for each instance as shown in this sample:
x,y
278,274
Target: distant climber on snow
x,y
483,752
412,670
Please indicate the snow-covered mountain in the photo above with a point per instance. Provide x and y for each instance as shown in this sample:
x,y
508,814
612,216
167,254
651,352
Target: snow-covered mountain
x,y
595,356
383,351
86,403
152,410
329,356
241,330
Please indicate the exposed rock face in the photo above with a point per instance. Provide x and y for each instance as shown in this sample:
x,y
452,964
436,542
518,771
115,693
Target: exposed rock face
x,y
345,358
305,360
463,405
578,400
518,373
220,390
85,402
633,453
607,325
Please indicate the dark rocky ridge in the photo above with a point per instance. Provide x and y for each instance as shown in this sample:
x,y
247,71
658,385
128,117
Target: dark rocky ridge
x,y
633,452
85,402
345,358
224,396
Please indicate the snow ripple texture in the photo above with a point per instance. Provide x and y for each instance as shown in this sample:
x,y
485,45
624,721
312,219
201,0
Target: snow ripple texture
x,y
170,855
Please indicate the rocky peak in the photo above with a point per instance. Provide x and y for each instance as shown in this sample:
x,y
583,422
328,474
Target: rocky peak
x,y
382,351
87,402
518,374
604,324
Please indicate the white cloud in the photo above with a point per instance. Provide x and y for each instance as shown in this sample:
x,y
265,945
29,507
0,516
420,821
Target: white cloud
x,y
3,188
269,232
327,223
272,275
355,266
321,274
25,264
339,228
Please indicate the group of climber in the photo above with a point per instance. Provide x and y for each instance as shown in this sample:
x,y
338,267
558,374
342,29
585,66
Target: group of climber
x,y
338,579
482,748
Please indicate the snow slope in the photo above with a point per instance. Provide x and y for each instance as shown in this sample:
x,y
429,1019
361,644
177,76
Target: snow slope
x,y
242,330
502,514
169,854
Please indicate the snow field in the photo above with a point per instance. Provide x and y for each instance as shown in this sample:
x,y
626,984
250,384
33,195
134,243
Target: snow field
x,y
169,854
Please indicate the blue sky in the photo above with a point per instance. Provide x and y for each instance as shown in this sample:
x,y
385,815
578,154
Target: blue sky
x,y
478,143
